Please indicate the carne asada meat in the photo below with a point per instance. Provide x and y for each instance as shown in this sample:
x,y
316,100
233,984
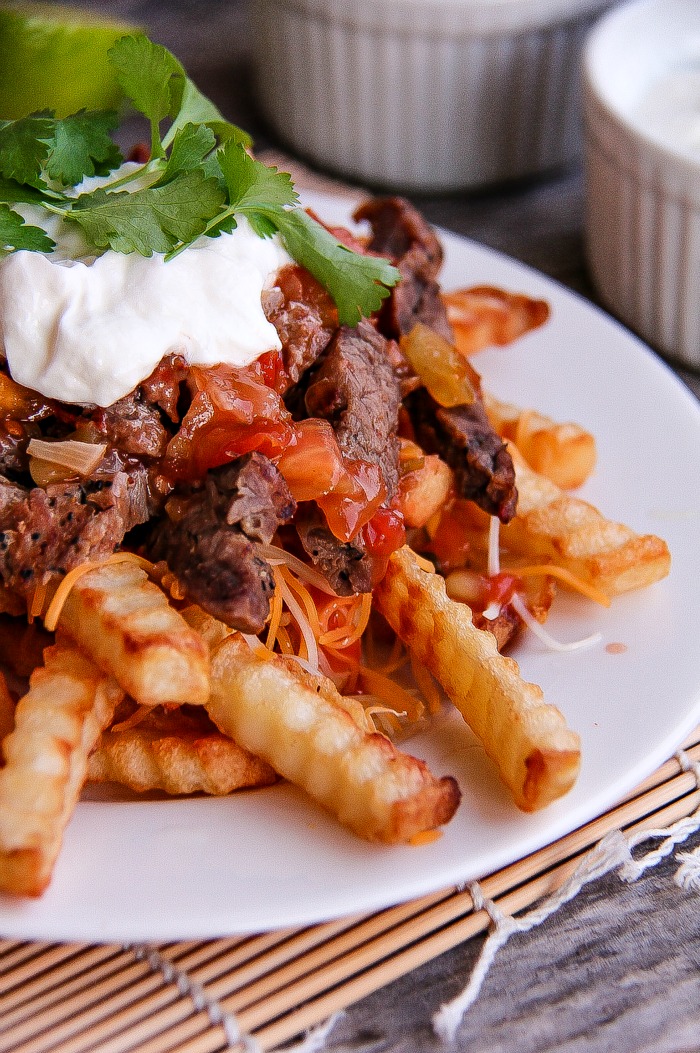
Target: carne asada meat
x,y
209,545
357,391
142,423
304,316
463,437
403,235
50,531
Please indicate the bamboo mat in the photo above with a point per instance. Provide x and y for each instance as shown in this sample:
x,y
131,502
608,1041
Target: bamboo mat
x,y
71,998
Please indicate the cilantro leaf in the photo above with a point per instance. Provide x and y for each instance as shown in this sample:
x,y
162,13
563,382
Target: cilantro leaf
x,y
16,234
24,147
12,191
190,146
82,146
252,185
152,78
358,284
149,220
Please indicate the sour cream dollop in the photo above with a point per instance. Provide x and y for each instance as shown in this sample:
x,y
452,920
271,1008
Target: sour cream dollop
x,y
89,330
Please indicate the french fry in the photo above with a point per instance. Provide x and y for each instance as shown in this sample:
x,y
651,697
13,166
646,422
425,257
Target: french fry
x,y
484,316
299,724
126,625
178,751
537,755
553,526
563,452
57,723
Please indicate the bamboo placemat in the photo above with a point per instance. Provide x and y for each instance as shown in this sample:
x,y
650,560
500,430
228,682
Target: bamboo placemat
x,y
71,998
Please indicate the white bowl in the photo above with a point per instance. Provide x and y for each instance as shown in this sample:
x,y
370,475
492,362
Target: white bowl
x,y
424,95
641,88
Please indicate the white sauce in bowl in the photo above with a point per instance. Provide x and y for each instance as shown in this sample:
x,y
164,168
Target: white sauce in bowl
x,y
670,109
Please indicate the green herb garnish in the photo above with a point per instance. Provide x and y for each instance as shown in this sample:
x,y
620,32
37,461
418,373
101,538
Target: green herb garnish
x,y
198,180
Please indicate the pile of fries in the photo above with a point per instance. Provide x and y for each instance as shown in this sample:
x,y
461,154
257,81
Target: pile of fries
x,y
120,680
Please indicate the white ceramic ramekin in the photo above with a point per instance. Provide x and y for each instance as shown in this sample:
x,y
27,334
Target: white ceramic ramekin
x,y
642,162
424,95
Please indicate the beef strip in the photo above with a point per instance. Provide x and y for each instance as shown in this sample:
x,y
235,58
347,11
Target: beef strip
x,y
304,316
401,233
355,388
464,438
50,531
210,545
357,391
461,435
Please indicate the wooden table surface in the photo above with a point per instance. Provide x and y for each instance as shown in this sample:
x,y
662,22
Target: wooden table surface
x,y
618,969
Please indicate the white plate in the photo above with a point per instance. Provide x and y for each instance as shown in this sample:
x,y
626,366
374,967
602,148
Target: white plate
x,y
198,868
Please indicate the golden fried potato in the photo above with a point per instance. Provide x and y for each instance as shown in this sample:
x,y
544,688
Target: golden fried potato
x,y
424,490
57,723
564,453
484,316
179,751
552,526
126,625
537,755
300,725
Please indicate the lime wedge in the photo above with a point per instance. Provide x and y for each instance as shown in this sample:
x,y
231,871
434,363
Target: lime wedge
x,y
55,57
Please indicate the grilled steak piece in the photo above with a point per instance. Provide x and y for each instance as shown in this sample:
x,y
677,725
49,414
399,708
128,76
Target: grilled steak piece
x,y
401,233
464,438
142,423
52,530
347,567
210,545
304,316
356,390
463,435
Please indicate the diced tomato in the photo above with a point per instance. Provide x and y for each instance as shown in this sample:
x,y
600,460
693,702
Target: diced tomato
x,y
384,533
232,412
274,375
499,588
312,463
354,499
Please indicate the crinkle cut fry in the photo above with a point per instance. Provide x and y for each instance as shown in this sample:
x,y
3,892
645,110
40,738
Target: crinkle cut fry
x,y
298,724
57,723
179,762
537,755
553,526
127,626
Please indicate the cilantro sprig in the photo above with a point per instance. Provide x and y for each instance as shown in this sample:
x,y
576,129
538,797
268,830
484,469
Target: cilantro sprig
x,y
198,181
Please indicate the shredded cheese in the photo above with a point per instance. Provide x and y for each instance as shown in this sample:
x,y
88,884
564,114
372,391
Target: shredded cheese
x,y
553,571
276,556
38,600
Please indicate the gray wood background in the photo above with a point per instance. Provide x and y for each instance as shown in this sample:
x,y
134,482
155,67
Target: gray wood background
x,y
618,969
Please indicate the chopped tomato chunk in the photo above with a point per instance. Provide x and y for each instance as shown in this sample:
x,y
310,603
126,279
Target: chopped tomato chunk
x,y
232,412
312,463
384,533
